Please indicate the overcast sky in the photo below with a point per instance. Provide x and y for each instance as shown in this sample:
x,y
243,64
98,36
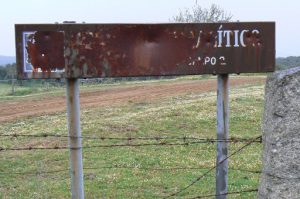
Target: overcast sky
x,y
286,14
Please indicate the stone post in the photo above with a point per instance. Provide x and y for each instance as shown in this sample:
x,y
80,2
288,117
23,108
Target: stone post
x,y
280,177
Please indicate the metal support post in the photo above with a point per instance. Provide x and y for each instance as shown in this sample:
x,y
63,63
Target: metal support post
x,y
222,134
76,168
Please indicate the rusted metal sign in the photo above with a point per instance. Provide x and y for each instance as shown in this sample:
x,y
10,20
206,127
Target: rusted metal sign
x,y
123,50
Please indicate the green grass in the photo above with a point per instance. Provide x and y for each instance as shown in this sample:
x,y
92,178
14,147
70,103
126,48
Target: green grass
x,y
188,115
30,88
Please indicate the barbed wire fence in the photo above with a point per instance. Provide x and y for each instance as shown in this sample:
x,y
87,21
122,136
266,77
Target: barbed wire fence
x,y
155,141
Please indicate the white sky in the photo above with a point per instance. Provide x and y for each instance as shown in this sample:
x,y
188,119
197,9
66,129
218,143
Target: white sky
x,y
286,14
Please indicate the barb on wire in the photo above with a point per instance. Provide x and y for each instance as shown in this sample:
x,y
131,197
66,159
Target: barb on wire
x,y
225,194
213,168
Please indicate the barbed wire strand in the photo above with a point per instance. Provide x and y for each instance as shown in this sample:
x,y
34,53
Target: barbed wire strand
x,y
98,146
213,168
105,146
184,138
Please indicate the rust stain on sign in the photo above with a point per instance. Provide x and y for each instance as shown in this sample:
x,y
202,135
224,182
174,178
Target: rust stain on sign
x,y
120,50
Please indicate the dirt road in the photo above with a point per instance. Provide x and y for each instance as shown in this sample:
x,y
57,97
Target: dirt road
x,y
29,107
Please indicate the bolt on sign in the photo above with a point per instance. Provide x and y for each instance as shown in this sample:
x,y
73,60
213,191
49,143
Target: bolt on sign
x,y
124,50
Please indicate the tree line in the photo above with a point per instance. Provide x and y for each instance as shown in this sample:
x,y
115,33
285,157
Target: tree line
x,y
8,71
288,62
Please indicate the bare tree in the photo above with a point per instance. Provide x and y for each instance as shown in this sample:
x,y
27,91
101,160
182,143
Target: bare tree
x,y
204,15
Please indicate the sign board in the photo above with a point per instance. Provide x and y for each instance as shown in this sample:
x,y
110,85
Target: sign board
x,y
124,50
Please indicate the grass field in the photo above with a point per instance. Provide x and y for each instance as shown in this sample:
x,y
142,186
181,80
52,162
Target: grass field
x,y
135,172
29,87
